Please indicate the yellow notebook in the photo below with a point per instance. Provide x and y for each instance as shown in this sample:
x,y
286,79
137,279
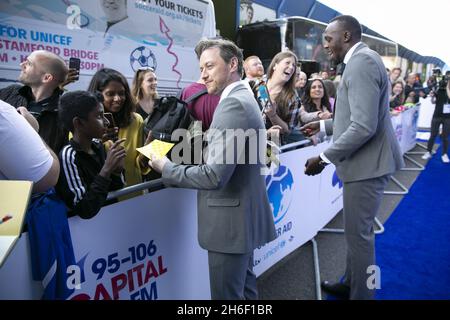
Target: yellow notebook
x,y
14,198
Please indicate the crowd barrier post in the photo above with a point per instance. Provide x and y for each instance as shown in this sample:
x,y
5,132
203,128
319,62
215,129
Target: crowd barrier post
x,y
316,268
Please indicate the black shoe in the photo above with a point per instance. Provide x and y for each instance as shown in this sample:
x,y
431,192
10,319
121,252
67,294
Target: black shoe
x,y
339,290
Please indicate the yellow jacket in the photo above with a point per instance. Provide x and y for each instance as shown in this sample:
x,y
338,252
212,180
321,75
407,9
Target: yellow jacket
x,y
134,135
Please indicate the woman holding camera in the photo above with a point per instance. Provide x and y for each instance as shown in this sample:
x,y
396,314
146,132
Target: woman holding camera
x,y
441,116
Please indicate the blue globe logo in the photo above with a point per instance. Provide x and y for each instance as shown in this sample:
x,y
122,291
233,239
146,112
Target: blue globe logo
x,y
279,187
336,181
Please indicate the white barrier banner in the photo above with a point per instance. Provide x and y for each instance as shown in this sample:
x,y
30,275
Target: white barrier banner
x,y
405,128
300,206
397,125
409,124
426,111
144,248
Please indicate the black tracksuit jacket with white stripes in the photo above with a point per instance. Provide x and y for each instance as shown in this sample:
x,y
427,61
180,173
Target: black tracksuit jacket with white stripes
x,y
80,186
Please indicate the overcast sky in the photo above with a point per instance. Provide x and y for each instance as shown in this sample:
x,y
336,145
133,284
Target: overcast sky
x,y
419,25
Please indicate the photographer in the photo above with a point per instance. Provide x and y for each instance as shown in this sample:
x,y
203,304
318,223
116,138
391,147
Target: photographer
x,y
440,97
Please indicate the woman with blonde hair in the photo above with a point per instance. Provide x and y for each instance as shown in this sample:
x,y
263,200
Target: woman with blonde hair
x,y
144,91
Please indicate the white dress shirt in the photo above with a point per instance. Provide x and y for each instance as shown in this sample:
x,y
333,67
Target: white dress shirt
x,y
230,87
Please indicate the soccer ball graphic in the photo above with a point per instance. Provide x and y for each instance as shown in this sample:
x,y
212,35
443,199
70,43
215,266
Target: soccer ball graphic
x,y
142,57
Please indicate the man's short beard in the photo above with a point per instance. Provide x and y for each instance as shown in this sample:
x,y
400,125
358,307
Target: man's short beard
x,y
23,79
27,82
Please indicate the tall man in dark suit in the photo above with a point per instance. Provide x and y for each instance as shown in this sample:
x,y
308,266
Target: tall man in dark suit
x,y
364,151
234,215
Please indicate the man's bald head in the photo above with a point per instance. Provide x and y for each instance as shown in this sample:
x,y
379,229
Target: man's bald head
x,y
52,64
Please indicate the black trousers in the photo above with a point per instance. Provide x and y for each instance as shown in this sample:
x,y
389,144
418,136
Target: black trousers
x,y
435,123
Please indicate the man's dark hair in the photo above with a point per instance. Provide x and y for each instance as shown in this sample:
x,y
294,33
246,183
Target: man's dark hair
x,y
227,49
76,104
350,24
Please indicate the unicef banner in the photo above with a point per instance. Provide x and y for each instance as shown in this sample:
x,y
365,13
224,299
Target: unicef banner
x,y
122,34
301,205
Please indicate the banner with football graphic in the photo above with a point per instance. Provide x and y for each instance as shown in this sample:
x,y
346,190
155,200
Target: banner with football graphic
x,y
125,35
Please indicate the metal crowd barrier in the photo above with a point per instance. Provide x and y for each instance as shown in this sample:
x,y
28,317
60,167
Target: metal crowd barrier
x,y
157,184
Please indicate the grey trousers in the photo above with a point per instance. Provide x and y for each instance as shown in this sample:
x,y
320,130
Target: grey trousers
x,y
231,276
361,203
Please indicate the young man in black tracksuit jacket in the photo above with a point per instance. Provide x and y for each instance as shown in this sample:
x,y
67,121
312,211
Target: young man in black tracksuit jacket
x,y
87,172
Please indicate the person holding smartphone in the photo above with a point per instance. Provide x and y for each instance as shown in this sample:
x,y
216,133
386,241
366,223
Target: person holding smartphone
x,y
113,86
397,97
41,75
73,73
279,101
88,171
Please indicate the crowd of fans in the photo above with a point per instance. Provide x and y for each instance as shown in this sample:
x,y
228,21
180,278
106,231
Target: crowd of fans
x,y
97,154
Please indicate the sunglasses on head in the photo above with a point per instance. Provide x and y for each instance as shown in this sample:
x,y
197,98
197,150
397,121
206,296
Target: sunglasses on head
x,y
145,69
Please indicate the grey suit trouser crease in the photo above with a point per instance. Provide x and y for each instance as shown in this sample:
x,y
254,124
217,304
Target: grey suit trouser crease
x,y
362,200
231,276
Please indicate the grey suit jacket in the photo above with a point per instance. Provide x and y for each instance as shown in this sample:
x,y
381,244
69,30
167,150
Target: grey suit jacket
x,y
234,215
364,145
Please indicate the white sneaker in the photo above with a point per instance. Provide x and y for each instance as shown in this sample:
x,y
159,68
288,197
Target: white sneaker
x,y
445,158
426,156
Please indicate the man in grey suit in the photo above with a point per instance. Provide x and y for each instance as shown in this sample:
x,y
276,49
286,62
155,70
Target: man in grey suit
x,y
364,150
234,215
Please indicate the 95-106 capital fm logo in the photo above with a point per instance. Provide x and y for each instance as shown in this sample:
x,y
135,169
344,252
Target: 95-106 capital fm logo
x,y
130,275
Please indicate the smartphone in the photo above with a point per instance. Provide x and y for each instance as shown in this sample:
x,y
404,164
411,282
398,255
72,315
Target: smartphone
x,y
264,95
109,116
74,63
111,125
